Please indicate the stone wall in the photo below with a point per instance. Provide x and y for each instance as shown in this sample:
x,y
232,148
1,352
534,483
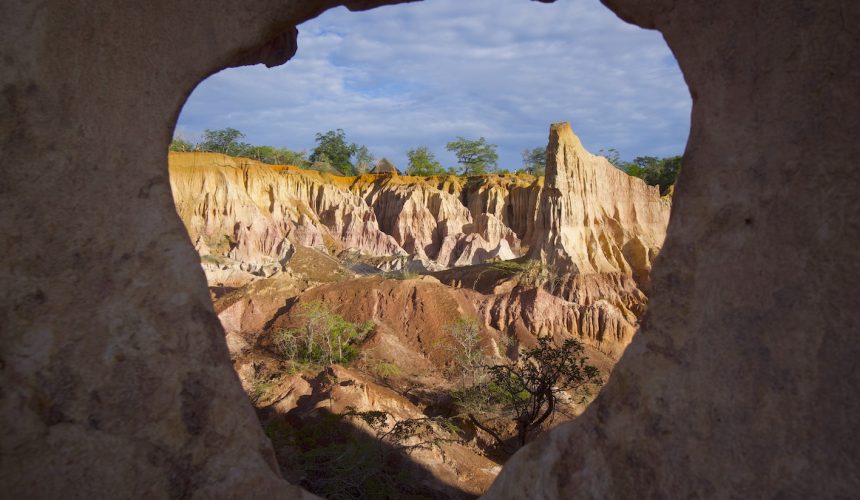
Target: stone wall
x,y
115,377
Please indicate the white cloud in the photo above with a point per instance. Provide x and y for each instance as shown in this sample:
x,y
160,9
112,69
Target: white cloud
x,y
423,73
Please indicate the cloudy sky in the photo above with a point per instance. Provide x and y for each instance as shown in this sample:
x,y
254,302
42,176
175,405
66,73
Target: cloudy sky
x,y
424,73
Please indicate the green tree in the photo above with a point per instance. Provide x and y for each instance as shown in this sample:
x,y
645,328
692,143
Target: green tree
x,y
363,159
422,162
477,157
614,158
265,154
662,172
278,156
290,157
534,160
642,166
226,141
333,146
180,144
531,390
325,337
666,173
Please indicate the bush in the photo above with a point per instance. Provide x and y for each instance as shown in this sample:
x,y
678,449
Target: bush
x,y
326,337
180,144
531,273
385,370
400,275
261,384
464,346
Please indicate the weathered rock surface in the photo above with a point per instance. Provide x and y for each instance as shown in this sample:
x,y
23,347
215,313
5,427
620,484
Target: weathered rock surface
x,y
426,218
252,213
414,315
254,305
742,379
246,215
511,199
448,219
595,218
446,470
116,381
411,313
527,314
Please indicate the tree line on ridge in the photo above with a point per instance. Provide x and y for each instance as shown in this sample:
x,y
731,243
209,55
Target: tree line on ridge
x,y
334,154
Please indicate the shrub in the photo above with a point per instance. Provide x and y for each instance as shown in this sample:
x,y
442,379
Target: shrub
x,y
464,345
385,370
400,275
531,273
325,338
261,384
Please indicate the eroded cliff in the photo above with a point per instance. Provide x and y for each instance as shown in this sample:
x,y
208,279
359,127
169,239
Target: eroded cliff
x,y
113,369
595,218
585,237
246,214
588,217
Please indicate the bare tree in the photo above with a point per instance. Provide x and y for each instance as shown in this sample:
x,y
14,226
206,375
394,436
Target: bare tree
x,y
463,345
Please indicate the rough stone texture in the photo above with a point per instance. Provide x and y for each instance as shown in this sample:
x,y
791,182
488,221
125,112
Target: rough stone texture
x,y
594,218
115,377
248,216
417,313
250,212
743,380
511,199
526,314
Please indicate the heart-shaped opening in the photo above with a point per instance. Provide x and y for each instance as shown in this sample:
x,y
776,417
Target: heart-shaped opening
x,y
389,238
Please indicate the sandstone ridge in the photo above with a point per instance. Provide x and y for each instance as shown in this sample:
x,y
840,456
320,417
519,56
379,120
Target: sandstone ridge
x,y
250,214
588,217
590,229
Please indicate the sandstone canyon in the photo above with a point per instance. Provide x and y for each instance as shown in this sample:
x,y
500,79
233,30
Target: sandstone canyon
x,y
412,255
595,228
116,377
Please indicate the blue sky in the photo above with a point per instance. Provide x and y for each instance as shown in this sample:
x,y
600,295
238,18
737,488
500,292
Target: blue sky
x,y
402,76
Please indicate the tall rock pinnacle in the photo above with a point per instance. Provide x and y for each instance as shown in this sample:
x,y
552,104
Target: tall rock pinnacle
x,y
594,217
